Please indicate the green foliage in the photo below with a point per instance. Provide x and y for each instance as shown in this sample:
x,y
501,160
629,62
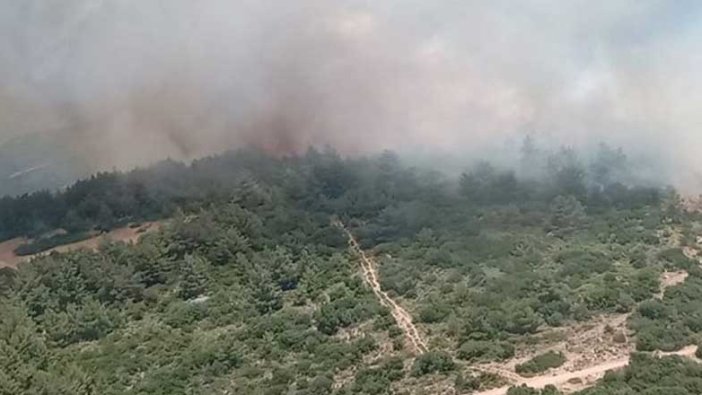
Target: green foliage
x,y
436,312
487,185
521,319
249,289
26,361
567,213
583,262
522,390
432,362
344,312
477,350
675,259
525,390
193,279
467,384
90,321
377,380
671,323
541,363
652,376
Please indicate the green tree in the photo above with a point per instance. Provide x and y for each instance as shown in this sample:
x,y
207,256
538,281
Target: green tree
x,y
567,213
193,282
432,362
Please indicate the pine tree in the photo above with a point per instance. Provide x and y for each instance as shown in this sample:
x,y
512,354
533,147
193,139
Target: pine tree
x,y
193,278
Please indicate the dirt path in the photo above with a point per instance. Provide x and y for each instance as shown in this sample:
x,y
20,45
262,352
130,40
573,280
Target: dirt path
x,y
370,275
590,353
588,362
585,377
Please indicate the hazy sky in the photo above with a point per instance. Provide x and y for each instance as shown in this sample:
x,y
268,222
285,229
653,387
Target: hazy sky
x,y
129,81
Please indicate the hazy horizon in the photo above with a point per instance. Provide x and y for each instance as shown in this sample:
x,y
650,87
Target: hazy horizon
x,y
124,83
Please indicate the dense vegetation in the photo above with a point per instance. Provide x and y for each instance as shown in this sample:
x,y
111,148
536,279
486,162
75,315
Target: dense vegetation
x,y
652,376
249,289
676,320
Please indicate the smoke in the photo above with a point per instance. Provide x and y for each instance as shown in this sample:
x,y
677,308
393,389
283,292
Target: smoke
x,y
127,82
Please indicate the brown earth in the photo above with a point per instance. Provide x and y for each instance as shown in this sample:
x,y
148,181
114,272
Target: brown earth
x,y
8,258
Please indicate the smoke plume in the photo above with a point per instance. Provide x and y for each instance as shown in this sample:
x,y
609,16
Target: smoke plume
x,y
127,82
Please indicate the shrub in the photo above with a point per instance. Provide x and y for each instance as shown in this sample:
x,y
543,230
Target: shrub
x,y
653,310
432,362
477,350
470,383
583,263
343,312
434,313
377,380
662,336
522,390
541,363
619,337
674,258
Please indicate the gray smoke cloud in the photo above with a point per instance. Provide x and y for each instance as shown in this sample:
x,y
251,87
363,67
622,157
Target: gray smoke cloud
x,y
127,82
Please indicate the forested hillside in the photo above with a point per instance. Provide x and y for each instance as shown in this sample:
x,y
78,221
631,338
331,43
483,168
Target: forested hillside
x,y
249,288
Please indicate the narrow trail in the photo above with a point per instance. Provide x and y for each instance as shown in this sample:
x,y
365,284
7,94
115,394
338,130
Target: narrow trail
x,y
370,275
588,375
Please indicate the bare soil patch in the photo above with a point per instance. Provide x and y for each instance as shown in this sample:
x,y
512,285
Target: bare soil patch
x,y
127,234
670,279
8,258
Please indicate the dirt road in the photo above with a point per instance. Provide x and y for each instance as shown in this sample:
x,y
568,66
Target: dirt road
x,y
586,377
589,349
370,275
581,372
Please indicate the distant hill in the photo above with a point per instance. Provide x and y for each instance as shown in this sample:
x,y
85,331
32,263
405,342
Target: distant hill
x,y
36,161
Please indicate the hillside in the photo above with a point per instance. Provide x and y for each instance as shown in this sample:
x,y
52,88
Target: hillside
x,y
326,275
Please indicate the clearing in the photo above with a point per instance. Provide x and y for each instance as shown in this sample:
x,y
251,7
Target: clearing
x,y
126,234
